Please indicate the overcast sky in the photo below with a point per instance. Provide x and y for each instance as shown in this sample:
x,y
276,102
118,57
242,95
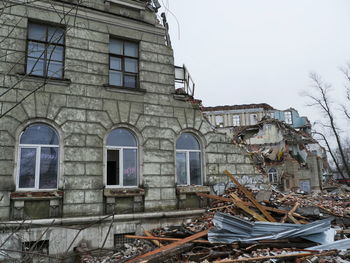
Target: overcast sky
x,y
254,51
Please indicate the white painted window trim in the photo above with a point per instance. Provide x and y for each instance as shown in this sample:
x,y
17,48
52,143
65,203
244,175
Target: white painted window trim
x,y
121,165
236,120
188,171
37,147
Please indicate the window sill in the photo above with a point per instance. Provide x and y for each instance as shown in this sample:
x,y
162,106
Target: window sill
x,y
123,192
189,189
63,82
124,90
42,195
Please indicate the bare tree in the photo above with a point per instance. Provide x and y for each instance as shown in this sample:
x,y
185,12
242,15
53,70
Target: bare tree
x,y
329,131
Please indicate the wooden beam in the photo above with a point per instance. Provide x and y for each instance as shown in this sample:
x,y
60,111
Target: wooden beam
x,y
245,208
289,214
178,243
272,209
250,196
156,242
165,239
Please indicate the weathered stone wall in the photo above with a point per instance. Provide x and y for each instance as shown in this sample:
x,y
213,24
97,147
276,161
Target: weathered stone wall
x,y
83,109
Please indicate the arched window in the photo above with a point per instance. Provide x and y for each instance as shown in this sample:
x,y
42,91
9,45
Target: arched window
x,y
38,158
121,159
273,176
188,160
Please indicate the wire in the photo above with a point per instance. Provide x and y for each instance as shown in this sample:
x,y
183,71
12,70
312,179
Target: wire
x,y
167,10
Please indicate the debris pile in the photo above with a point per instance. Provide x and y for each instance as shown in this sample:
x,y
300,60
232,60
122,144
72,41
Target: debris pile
x,y
248,226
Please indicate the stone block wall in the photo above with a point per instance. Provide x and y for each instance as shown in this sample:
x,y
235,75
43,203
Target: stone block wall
x,y
84,109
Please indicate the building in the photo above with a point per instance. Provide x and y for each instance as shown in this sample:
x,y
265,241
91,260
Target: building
x,y
251,114
92,132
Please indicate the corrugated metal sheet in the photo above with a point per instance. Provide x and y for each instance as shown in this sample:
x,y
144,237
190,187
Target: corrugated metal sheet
x,y
230,229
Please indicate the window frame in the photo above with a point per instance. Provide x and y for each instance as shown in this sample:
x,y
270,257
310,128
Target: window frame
x,y
219,124
121,161
122,57
37,148
46,43
288,117
273,174
236,119
188,168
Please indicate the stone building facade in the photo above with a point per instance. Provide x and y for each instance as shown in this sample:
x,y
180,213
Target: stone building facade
x,y
73,77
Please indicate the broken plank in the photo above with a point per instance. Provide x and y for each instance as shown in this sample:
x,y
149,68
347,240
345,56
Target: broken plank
x,y
156,242
289,214
245,208
255,259
272,209
154,253
251,197
165,239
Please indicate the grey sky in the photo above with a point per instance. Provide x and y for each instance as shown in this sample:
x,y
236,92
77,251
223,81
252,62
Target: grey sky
x,y
252,51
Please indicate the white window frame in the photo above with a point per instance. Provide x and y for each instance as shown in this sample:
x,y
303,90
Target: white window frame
x,y
121,165
236,120
220,124
253,118
288,117
188,170
37,147
273,176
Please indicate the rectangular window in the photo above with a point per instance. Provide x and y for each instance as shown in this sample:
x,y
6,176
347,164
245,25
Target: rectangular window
x,y
113,165
219,120
253,119
236,120
288,117
45,51
123,63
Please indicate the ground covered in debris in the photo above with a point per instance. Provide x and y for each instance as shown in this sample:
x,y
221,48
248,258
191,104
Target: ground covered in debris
x,y
247,226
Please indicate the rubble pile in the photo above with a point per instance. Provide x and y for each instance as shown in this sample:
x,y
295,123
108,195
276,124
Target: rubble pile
x,y
249,226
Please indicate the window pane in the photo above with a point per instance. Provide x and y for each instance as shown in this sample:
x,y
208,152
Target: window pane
x,y
131,49
115,63
55,53
131,65
55,69
181,168
115,78
121,137
195,168
55,35
48,168
116,47
113,167
27,168
35,66
37,32
130,167
36,50
39,134
187,142
130,81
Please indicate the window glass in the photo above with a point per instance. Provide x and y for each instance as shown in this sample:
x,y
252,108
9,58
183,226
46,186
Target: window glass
x,y
39,134
121,137
27,168
36,50
129,81
130,49
113,167
116,63
35,66
131,65
116,47
115,78
219,119
181,168
37,32
187,142
236,120
195,168
48,168
55,35
130,167
55,53
55,69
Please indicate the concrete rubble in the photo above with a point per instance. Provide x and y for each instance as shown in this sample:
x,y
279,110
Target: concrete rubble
x,y
299,240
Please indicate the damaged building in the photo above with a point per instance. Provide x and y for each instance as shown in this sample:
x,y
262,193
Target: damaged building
x,y
92,132
280,142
